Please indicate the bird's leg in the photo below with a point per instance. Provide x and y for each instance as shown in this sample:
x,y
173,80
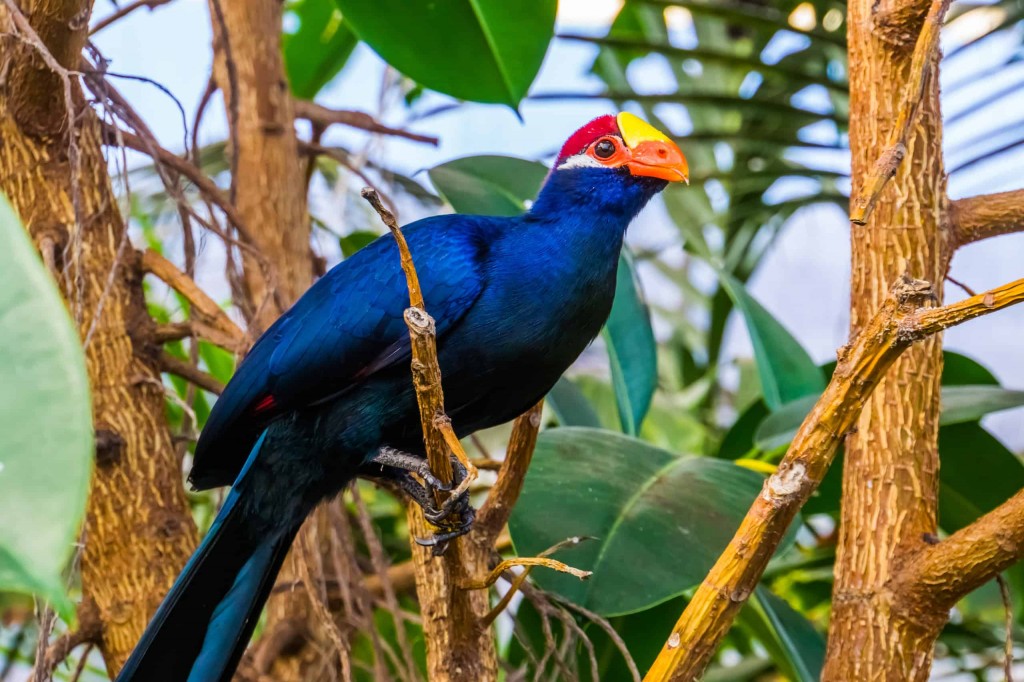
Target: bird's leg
x,y
405,461
403,482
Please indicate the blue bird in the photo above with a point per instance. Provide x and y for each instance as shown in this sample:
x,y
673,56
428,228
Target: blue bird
x,y
325,394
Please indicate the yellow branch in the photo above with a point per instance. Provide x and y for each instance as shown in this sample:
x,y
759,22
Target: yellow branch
x,y
862,364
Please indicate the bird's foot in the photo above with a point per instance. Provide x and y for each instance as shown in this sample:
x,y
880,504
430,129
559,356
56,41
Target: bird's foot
x,y
453,517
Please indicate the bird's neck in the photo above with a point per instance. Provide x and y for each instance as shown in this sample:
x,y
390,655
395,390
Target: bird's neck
x,y
584,212
597,192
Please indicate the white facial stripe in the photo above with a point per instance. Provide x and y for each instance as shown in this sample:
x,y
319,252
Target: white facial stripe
x,y
580,161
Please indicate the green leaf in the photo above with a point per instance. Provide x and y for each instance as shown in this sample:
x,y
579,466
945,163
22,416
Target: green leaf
x,y
959,404
632,353
570,406
779,427
977,474
786,370
660,519
478,50
790,639
960,370
971,403
354,241
319,47
739,439
488,185
45,422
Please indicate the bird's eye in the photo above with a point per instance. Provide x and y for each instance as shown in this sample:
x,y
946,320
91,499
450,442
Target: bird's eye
x,y
604,149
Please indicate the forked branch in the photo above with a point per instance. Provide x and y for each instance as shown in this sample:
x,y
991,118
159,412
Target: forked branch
x,y
222,327
862,364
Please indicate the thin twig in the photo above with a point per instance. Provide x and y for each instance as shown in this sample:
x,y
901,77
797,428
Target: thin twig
x,y
169,363
204,184
83,661
531,561
889,160
1004,593
967,290
503,495
322,116
314,149
123,12
518,581
388,218
231,93
88,631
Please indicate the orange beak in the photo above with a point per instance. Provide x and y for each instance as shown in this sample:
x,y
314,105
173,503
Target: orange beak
x,y
652,153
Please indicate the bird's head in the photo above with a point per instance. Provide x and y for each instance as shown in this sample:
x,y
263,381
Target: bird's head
x,y
617,161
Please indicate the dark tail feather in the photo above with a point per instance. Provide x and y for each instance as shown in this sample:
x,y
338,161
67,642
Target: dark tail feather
x,y
204,623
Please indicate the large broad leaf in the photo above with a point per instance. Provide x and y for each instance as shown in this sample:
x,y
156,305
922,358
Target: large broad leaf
x,y
478,50
791,640
318,48
45,422
660,520
786,370
488,185
632,353
959,404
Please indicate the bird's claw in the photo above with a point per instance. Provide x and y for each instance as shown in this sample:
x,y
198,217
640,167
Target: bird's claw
x,y
439,541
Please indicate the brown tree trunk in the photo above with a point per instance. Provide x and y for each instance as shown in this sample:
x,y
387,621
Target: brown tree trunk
x,y
268,188
268,185
138,529
890,477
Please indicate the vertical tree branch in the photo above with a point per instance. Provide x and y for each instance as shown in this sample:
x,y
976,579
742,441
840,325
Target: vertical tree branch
x,y
269,194
459,644
890,469
884,169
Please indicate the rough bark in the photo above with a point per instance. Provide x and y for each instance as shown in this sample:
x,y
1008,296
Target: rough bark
x,y
890,476
269,193
268,187
138,529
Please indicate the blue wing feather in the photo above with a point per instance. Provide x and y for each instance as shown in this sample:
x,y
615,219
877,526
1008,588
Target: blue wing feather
x,y
348,325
